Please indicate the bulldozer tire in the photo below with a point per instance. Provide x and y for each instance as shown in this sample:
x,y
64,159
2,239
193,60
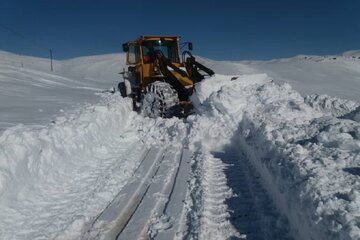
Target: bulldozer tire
x,y
122,89
160,100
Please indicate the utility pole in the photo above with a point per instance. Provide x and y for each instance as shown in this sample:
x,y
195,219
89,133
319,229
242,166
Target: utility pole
x,y
51,57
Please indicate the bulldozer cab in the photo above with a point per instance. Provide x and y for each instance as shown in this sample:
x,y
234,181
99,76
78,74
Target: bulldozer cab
x,y
142,55
143,50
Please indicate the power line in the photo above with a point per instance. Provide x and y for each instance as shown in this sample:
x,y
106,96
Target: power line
x,y
22,36
25,38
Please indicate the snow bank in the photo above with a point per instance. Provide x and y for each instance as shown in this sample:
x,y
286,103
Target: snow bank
x,y
307,159
53,180
334,106
336,76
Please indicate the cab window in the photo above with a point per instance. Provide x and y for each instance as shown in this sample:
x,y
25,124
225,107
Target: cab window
x,y
168,48
133,54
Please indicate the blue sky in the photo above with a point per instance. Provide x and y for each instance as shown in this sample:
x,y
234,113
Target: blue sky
x,y
222,29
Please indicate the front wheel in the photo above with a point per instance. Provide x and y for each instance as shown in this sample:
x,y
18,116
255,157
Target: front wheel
x,y
160,100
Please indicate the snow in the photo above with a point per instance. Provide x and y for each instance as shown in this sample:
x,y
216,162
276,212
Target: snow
x,y
336,76
307,161
31,94
334,106
265,144
352,54
55,178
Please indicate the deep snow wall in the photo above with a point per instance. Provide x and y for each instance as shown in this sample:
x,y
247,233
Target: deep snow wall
x,y
55,179
307,159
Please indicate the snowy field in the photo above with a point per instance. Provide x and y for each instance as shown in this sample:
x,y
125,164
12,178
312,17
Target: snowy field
x,y
266,156
31,94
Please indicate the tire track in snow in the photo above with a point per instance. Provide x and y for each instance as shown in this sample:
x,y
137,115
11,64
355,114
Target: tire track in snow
x,y
135,207
251,210
158,213
207,212
170,215
151,204
119,212
215,214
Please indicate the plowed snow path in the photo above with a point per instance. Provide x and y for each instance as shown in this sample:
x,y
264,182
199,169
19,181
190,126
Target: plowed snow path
x,y
151,200
175,193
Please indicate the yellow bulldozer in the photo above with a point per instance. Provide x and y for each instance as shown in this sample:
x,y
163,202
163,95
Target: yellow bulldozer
x,y
158,81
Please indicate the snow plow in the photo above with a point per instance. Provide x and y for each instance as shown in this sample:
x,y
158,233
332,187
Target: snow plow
x,y
158,81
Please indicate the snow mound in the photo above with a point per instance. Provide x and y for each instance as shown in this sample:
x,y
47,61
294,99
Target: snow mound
x,y
56,178
307,160
335,106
